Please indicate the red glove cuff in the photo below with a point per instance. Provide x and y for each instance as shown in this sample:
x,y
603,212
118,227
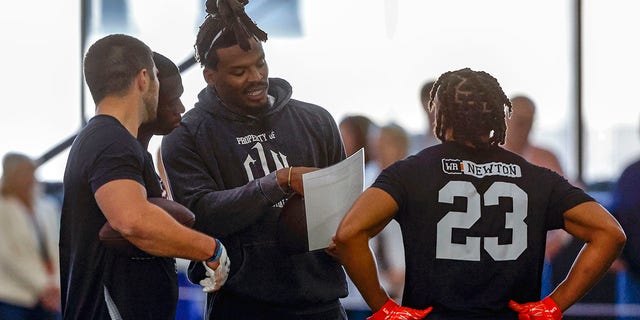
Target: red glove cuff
x,y
552,307
391,310
382,313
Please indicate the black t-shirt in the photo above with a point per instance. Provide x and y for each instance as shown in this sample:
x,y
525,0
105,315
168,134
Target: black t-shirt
x,y
97,281
474,226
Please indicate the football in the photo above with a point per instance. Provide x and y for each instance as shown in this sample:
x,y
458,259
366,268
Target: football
x,y
292,226
112,239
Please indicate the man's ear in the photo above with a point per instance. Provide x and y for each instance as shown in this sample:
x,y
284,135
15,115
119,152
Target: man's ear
x,y
210,76
142,79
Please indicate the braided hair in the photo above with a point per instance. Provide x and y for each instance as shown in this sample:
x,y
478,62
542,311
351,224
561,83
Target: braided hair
x,y
225,25
471,103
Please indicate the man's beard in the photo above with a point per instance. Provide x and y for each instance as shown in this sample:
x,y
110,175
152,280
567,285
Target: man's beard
x,y
151,106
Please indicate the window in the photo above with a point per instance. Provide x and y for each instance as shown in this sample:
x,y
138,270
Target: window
x,y
369,57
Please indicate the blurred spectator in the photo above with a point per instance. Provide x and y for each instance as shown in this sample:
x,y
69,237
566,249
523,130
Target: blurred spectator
x,y
428,138
519,127
386,145
626,208
356,132
391,144
29,264
169,115
518,135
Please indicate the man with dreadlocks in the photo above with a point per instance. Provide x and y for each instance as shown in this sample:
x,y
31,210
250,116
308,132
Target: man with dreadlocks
x,y
234,161
474,218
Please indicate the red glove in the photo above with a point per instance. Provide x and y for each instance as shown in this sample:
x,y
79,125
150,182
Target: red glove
x,y
392,311
546,309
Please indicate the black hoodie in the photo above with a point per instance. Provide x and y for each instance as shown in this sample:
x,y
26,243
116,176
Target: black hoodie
x,y
221,164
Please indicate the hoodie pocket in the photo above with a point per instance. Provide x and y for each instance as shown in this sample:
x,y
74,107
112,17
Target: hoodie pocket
x,y
268,273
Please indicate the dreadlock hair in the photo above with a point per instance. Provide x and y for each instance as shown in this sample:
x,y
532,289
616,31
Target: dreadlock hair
x,y
471,103
225,25
112,63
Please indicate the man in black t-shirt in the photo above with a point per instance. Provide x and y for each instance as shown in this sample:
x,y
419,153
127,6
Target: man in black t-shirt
x,y
474,219
106,179
156,277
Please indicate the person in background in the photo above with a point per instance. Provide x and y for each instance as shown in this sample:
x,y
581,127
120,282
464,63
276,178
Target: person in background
x,y
357,132
518,140
474,218
626,208
428,137
29,271
235,160
382,146
391,144
169,113
170,107
108,178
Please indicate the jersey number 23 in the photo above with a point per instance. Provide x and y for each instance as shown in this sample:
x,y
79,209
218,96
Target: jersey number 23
x,y
470,251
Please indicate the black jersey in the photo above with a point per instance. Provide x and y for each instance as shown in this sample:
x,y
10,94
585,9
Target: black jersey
x,y
474,224
96,282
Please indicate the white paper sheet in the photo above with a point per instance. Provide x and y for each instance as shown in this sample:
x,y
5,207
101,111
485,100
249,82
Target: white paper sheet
x,y
328,195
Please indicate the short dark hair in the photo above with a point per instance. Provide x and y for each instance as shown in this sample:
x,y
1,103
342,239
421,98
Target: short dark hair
x,y
112,63
225,25
166,67
425,91
472,103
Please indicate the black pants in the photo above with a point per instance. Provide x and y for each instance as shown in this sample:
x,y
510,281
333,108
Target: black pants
x,y
227,306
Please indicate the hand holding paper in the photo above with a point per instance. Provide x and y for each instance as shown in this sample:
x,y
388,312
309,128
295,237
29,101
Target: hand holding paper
x,y
328,195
